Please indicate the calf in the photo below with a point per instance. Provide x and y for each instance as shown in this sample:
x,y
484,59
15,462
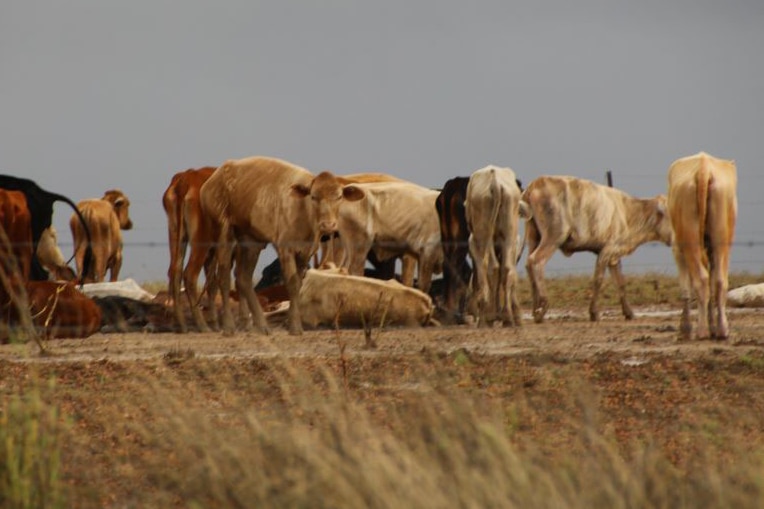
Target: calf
x,y
105,218
574,215
492,208
51,258
702,204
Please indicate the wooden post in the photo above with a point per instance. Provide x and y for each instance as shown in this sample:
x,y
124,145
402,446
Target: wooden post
x,y
609,175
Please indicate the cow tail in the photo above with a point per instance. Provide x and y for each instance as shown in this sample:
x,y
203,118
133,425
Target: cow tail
x,y
87,262
702,181
496,204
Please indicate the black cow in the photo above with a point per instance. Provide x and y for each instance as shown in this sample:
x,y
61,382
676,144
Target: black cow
x,y
40,204
454,235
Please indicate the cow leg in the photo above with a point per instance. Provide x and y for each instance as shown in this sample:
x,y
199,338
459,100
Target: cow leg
x,y
293,282
719,285
224,248
246,261
177,254
481,295
211,289
424,272
599,275
196,260
617,274
534,265
408,265
116,266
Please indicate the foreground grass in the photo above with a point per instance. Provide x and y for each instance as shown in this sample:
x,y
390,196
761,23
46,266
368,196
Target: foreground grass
x,y
456,430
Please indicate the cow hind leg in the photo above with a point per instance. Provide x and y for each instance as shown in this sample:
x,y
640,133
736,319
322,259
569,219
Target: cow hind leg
x,y
616,273
293,284
534,265
191,280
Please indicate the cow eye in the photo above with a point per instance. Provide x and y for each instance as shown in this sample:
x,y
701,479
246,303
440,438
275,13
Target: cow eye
x,y
314,197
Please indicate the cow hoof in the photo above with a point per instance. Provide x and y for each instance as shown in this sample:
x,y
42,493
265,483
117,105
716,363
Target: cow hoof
x,y
227,333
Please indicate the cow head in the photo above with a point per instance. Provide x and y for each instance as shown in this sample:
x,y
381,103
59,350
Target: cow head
x,y
662,221
326,192
121,207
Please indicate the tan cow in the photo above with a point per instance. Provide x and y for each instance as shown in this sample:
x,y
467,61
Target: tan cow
x,y
702,204
51,258
187,224
261,200
492,209
574,215
331,295
105,217
393,219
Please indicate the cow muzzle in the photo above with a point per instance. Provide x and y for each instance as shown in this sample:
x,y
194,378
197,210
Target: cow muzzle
x,y
327,227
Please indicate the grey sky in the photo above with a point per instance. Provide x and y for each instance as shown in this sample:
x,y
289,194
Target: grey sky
x,y
96,95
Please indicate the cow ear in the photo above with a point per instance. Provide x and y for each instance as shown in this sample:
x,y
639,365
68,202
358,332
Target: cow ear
x,y
352,193
119,202
300,191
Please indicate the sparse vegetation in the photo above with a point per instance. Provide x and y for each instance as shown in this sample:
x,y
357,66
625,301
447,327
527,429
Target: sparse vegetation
x,y
443,427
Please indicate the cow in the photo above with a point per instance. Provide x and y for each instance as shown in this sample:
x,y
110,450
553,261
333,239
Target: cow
x,y
187,224
58,310
332,251
40,205
51,258
15,239
105,218
392,219
702,204
574,215
334,298
260,200
492,208
454,235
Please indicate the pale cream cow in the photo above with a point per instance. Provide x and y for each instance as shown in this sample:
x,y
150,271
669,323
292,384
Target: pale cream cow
x,y
493,208
702,204
392,219
574,215
332,297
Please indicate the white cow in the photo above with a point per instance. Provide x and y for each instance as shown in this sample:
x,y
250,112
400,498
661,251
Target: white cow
x,y
493,208
574,215
703,207
393,219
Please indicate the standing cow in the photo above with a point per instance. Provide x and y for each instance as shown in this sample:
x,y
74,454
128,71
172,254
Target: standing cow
x,y
493,207
703,208
574,215
105,218
261,200
392,219
187,224
454,235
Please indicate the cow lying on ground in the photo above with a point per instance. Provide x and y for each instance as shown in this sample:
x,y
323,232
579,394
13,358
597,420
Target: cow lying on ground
x,y
703,208
58,310
575,215
331,297
105,218
493,209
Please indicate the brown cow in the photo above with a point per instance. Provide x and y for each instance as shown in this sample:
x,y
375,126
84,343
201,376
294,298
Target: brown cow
x,y
493,209
59,310
187,224
16,226
105,217
262,200
574,215
703,208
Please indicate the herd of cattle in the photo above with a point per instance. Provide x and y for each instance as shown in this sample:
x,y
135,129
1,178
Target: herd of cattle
x,y
226,216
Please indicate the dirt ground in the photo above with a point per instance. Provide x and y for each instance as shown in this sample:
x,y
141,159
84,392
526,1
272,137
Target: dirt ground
x,y
565,334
